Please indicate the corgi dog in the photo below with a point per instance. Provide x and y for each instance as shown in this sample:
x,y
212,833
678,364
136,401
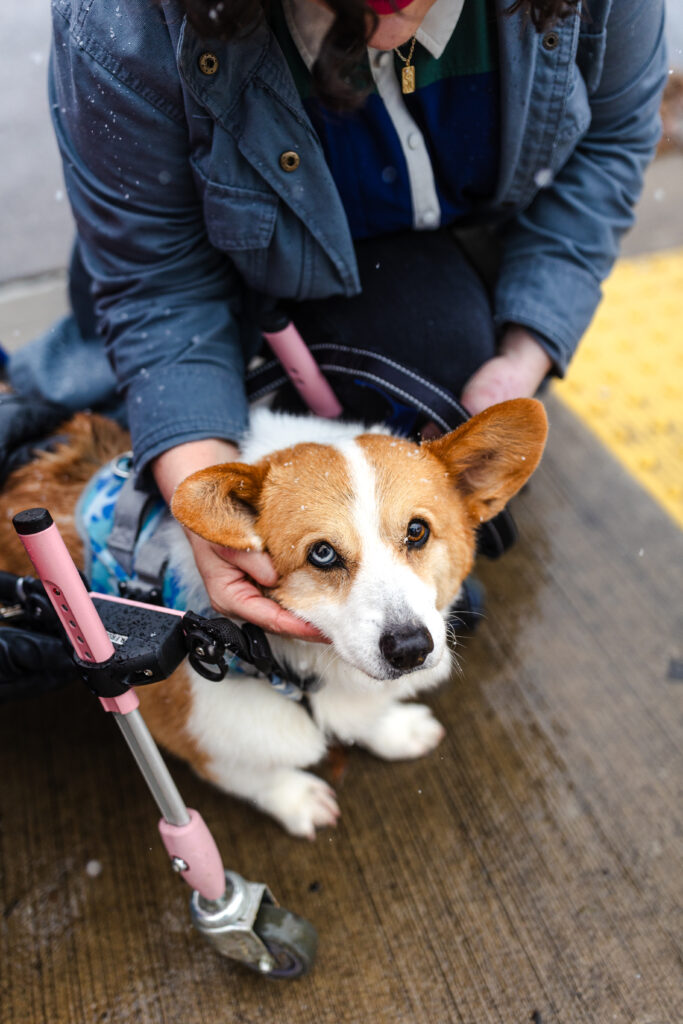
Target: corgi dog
x,y
371,535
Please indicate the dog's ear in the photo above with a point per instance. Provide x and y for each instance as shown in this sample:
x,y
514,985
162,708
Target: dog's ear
x,y
220,504
493,455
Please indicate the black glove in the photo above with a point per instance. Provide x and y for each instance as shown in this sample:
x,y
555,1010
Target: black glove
x,y
32,663
25,424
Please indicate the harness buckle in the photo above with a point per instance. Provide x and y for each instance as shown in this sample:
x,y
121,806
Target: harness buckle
x,y
206,653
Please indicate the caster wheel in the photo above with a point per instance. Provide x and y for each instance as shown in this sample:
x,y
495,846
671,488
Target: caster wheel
x,y
290,940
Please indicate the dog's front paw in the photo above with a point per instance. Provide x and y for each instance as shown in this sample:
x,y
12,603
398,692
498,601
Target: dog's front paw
x,y
302,803
405,731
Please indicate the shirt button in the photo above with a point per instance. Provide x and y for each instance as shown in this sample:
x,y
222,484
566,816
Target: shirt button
x,y
383,59
551,40
289,160
414,140
430,217
208,63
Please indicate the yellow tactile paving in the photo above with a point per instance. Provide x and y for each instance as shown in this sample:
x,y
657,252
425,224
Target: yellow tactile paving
x,y
626,382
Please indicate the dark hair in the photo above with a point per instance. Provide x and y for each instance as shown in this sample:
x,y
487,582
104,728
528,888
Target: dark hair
x,y
337,73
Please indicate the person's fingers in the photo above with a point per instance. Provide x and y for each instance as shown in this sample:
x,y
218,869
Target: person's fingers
x,y
497,380
245,602
256,564
232,594
486,387
228,574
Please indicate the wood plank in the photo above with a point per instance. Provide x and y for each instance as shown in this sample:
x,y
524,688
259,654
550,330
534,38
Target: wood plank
x,y
528,871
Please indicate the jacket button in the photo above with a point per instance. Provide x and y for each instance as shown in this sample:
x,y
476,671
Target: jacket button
x,y
289,160
551,40
208,63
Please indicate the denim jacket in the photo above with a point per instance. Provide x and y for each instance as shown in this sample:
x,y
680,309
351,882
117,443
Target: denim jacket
x,y
177,158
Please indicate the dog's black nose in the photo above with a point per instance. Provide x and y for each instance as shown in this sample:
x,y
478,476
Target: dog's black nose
x,y
406,647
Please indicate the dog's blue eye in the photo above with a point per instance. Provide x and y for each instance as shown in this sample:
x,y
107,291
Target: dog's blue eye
x,y
323,555
417,533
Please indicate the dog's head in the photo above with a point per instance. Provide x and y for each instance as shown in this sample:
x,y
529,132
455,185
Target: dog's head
x,y
372,537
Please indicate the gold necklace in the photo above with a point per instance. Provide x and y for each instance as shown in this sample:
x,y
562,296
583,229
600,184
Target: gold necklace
x,y
407,72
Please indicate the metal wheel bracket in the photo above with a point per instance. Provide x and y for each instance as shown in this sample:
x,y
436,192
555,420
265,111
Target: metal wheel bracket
x,y
228,923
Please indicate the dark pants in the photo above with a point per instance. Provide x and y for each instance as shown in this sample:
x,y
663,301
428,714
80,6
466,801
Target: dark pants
x,y
423,304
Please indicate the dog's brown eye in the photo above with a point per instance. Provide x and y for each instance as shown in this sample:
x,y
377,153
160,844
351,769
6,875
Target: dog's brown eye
x,y
322,555
417,533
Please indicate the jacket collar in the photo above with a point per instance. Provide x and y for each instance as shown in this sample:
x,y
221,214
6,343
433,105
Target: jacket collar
x,y
240,62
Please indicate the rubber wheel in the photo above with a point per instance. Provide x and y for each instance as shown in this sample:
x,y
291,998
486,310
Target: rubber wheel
x,y
291,940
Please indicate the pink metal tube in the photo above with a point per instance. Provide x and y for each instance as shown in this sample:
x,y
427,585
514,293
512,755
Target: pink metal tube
x,y
64,587
190,844
136,604
194,845
123,704
304,372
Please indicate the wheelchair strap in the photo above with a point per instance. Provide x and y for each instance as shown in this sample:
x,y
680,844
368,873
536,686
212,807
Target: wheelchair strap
x,y
147,561
129,514
403,384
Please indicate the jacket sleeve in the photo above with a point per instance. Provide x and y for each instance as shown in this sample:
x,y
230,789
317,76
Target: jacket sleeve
x,y
165,299
557,252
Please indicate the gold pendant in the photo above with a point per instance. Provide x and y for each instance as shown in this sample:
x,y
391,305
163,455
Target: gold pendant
x,y
408,79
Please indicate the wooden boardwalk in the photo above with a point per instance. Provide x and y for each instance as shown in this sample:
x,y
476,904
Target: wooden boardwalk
x,y
528,871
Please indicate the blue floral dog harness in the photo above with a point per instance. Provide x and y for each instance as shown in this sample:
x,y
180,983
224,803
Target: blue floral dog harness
x,y
123,530
125,534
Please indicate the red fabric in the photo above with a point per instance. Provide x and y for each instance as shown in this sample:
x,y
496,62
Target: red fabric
x,y
387,6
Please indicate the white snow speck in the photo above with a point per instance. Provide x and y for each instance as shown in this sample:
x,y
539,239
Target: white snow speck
x,y
544,177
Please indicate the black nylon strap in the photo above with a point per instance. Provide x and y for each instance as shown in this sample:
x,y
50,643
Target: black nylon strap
x,y
402,383
129,512
209,638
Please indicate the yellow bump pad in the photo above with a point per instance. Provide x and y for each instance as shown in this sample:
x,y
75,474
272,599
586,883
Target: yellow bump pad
x,y
626,382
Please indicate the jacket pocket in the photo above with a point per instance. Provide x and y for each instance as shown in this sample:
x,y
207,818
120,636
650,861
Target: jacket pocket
x,y
238,219
240,222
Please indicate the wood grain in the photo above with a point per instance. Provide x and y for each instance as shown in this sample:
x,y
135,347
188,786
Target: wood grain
x,y
528,871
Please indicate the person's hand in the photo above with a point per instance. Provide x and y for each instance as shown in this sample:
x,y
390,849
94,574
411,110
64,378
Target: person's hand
x,y
230,576
516,372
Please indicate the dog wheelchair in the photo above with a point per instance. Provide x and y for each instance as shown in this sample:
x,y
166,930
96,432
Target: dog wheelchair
x,y
117,644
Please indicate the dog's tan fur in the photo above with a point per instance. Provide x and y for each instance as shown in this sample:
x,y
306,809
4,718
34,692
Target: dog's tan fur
x,y
55,480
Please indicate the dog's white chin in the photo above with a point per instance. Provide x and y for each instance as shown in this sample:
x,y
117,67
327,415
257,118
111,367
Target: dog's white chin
x,y
330,664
